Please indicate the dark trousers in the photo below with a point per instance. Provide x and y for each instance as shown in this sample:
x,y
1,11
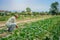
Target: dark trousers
x,y
11,27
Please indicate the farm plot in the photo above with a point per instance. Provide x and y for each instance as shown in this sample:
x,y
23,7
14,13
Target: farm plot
x,y
37,30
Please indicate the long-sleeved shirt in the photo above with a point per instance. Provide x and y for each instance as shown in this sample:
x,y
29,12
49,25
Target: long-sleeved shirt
x,y
11,20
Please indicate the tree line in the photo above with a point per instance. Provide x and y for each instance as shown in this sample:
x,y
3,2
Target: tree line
x,y
54,10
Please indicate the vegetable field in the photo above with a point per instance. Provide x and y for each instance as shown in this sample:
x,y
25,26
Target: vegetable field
x,y
37,30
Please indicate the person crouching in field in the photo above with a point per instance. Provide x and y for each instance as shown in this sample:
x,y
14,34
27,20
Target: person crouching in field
x,y
11,23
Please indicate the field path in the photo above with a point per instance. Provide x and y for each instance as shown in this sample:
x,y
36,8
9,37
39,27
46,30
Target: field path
x,y
2,24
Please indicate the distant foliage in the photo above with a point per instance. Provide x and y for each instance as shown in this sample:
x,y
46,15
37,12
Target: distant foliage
x,y
28,11
54,8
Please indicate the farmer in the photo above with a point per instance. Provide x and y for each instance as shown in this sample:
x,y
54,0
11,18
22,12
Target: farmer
x,y
11,23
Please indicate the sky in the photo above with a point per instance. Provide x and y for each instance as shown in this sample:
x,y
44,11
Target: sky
x,y
21,5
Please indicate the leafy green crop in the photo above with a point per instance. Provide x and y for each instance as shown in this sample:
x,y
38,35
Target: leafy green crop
x,y
37,30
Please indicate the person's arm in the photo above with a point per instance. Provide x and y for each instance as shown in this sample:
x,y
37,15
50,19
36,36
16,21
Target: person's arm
x,y
16,26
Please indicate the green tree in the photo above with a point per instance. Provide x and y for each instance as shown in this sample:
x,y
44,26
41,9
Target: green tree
x,y
28,10
54,8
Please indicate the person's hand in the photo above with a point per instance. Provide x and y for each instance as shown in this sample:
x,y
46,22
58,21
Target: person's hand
x,y
16,26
